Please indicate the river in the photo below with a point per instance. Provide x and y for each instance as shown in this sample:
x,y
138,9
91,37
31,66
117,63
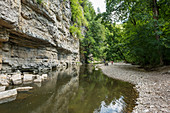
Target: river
x,y
77,89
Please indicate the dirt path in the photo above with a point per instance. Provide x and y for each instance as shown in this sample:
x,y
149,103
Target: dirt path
x,y
153,86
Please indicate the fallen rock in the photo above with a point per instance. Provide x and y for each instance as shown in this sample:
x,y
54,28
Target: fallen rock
x,y
8,93
3,76
44,76
24,88
9,76
16,79
4,80
18,72
38,79
28,77
30,82
2,88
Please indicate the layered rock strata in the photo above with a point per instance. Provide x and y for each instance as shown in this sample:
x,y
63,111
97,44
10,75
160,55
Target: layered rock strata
x,y
36,36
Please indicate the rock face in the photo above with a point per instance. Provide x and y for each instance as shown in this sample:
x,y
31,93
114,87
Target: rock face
x,y
36,36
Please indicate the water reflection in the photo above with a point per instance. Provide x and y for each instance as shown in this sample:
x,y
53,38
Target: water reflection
x,y
8,99
99,94
75,90
51,96
115,106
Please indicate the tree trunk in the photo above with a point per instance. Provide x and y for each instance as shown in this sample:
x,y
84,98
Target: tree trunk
x,y
86,54
155,16
86,59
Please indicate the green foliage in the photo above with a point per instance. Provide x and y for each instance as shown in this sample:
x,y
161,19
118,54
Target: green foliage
x,y
78,18
141,43
83,15
93,42
89,12
77,13
76,31
143,38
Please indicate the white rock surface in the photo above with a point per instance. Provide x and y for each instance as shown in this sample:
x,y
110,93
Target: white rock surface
x,y
8,93
38,79
2,88
4,80
28,77
27,82
24,88
44,76
4,76
16,79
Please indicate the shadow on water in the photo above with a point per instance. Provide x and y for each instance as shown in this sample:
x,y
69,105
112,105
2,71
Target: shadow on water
x,y
75,90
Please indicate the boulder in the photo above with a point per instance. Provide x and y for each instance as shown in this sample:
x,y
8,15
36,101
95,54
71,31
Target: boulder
x,y
24,88
2,88
44,76
38,79
8,93
28,77
4,80
3,76
26,83
16,79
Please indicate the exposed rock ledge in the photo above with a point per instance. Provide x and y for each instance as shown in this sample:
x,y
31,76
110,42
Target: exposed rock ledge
x,y
153,87
36,36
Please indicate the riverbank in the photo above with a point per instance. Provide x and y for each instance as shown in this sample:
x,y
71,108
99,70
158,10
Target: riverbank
x,y
153,86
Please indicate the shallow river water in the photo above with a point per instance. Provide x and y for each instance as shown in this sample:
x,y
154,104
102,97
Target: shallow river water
x,y
75,90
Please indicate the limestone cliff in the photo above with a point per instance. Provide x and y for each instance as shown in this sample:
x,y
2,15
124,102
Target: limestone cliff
x,y
36,36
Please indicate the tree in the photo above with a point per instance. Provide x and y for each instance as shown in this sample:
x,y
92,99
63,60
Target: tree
x,y
94,40
144,36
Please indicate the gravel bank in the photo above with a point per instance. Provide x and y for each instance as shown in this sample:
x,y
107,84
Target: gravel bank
x,y
153,86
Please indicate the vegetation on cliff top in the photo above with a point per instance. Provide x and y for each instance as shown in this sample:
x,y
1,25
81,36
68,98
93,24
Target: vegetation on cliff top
x,y
78,18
